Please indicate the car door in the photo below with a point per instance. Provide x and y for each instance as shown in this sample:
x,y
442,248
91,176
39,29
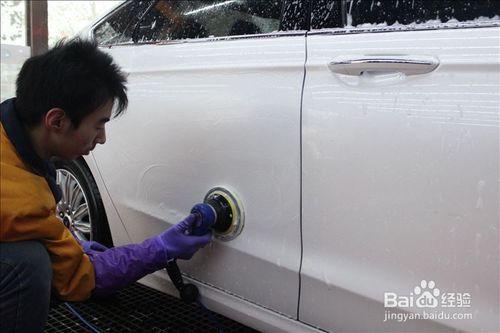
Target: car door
x,y
213,102
401,167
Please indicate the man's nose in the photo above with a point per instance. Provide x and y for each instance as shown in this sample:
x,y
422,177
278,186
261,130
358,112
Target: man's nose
x,y
101,138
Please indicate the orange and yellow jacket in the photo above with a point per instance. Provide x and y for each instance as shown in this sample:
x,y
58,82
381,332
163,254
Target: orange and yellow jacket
x,y
28,209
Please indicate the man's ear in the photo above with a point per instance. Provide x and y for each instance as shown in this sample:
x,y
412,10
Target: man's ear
x,y
56,120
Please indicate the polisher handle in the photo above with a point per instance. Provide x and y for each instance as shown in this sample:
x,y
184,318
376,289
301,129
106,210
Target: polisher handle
x,y
206,220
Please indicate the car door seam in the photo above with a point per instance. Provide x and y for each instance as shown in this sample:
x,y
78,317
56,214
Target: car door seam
x,y
300,175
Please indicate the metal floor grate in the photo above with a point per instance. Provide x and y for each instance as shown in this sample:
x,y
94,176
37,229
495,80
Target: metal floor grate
x,y
138,308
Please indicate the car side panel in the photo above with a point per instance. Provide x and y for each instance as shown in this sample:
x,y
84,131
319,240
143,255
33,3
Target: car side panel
x,y
117,229
400,180
206,114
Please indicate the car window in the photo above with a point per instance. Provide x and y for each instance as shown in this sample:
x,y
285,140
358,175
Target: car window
x,y
364,13
171,20
118,26
326,14
296,15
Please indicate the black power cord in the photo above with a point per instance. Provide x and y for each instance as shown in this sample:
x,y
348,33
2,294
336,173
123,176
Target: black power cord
x,y
188,292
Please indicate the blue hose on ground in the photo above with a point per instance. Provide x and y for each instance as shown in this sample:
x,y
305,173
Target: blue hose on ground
x,y
86,323
94,329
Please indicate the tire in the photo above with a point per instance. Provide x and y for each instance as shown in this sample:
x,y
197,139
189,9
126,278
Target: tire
x,y
81,207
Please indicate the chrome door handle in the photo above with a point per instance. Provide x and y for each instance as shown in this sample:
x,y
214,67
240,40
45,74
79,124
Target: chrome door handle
x,y
410,65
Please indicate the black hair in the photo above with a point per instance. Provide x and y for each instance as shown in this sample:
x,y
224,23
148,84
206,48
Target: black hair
x,y
76,76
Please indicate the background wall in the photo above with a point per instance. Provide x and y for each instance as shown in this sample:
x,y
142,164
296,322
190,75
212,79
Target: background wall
x,y
65,19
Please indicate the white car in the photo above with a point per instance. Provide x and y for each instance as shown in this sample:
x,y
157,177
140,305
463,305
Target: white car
x,y
361,138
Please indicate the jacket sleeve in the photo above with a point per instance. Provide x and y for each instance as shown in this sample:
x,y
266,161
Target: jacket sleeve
x,y
28,213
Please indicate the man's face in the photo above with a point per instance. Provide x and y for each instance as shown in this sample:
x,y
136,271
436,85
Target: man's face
x,y
80,141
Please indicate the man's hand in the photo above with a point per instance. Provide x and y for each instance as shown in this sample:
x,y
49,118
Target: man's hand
x,y
89,246
179,244
119,266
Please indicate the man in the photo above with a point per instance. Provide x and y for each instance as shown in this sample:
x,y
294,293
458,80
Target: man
x,y
63,100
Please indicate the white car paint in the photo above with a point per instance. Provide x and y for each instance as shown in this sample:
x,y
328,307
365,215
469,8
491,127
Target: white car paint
x,y
399,174
200,117
400,179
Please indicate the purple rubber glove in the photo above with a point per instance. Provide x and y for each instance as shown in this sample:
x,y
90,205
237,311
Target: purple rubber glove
x,y
181,245
92,246
119,266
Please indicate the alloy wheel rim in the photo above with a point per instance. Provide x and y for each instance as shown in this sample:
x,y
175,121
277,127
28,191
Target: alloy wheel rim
x,y
73,209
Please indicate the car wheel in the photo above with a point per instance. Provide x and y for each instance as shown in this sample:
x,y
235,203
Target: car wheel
x,y
81,208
